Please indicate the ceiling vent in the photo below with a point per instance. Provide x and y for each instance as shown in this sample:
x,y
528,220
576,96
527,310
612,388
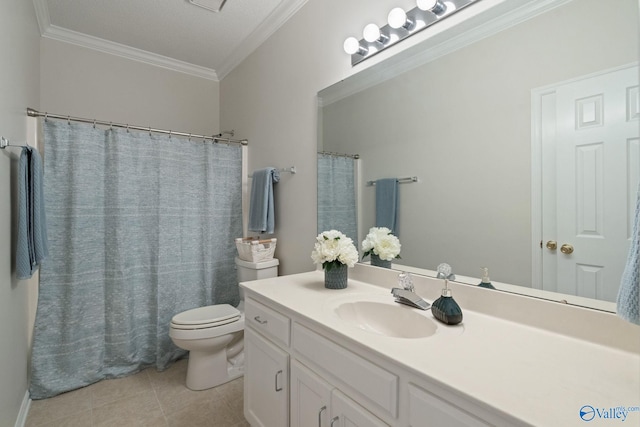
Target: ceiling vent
x,y
213,5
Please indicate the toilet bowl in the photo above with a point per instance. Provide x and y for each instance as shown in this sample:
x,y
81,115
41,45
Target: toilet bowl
x,y
214,334
207,333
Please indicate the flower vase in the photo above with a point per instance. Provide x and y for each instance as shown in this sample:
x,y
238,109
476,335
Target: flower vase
x,y
336,277
375,260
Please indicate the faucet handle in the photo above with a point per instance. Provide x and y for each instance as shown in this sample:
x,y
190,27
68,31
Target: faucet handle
x,y
404,280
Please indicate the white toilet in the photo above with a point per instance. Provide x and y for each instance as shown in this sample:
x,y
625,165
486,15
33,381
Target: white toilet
x,y
214,334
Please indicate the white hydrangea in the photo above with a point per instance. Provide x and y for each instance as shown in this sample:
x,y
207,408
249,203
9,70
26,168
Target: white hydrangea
x,y
381,242
334,247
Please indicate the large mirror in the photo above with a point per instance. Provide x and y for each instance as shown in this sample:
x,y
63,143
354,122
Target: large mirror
x,y
525,144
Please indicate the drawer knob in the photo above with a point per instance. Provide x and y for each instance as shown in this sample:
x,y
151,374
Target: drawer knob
x,y
262,322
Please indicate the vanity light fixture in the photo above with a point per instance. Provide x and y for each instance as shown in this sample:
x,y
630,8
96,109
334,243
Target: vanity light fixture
x,y
400,25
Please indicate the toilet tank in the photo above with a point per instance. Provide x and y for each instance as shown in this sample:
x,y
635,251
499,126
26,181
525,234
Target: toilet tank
x,y
248,270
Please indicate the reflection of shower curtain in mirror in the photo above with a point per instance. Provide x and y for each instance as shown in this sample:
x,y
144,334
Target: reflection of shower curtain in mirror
x,y
337,195
140,228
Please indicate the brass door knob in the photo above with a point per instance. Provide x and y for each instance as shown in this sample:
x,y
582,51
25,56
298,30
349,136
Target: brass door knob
x,y
566,249
552,245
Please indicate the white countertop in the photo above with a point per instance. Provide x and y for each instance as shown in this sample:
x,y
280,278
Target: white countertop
x,y
538,376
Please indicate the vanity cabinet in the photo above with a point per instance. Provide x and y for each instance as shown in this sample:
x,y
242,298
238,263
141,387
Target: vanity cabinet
x,y
299,375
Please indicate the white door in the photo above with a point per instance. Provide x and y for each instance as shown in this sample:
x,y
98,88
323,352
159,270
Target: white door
x,y
597,163
265,382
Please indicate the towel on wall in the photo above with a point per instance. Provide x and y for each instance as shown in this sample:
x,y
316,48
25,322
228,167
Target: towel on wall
x,y
387,204
32,247
261,203
628,301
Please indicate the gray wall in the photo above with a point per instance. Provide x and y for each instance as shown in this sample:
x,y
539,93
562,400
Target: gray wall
x,y
19,88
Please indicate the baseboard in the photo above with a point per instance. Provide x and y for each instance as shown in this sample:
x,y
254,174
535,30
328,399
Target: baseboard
x,y
24,410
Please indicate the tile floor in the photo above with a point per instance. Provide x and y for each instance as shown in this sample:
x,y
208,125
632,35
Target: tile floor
x,y
146,399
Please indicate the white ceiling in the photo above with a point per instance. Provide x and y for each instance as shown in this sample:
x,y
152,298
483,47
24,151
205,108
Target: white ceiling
x,y
174,34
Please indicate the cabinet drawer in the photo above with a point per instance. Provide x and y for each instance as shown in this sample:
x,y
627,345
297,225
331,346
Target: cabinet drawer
x,y
378,386
267,321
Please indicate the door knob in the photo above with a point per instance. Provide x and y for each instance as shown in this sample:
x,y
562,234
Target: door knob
x,y
552,245
566,249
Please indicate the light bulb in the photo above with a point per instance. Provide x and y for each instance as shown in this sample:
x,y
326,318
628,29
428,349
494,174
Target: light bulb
x,y
371,33
397,18
434,6
352,45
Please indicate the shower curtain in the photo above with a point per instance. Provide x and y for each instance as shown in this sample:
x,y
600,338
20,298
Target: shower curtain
x,y
141,227
337,195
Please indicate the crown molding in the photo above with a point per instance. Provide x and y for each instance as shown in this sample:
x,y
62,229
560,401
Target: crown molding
x,y
42,15
79,39
285,10
128,52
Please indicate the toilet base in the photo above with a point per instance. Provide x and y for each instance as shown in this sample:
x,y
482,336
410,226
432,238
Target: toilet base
x,y
205,370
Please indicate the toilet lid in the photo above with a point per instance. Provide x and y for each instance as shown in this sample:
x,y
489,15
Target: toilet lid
x,y
211,314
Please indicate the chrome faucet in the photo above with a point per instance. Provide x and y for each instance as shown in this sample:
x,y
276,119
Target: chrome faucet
x,y
409,298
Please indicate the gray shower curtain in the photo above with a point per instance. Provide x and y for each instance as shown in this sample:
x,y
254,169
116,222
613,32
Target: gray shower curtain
x,y
337,195
140,227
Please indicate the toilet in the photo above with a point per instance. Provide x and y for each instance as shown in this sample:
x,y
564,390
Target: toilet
x,y
214,334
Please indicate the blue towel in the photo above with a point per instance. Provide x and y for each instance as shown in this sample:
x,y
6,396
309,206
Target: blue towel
x,y
32,247
628,302
387,204
261,210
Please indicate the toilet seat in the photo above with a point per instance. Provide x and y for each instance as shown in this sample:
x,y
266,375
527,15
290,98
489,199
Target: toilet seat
x,y
206,317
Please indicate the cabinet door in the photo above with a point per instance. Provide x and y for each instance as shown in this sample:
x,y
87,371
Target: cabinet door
x,y
310,398
266,382
347,413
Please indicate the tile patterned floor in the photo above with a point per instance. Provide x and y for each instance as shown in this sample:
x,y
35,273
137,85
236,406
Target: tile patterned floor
x,y
147,399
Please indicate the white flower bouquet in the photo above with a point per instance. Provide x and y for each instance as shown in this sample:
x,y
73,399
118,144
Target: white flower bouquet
x,y
333,248
382,243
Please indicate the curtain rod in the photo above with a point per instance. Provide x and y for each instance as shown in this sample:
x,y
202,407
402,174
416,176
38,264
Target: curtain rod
x,y
331,153
215,138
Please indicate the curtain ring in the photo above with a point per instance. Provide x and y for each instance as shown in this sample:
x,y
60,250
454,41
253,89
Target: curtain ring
x,y
69,120
189,137
110,125
94,123
127,127
46,116
170,133
149,130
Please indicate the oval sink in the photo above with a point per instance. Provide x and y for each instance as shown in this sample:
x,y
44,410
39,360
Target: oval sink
x,y
391,320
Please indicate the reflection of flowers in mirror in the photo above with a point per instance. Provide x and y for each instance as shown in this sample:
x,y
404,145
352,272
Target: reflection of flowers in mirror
x,y
333,248
381,242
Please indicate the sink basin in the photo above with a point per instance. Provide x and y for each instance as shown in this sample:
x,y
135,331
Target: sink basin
x,y
388,319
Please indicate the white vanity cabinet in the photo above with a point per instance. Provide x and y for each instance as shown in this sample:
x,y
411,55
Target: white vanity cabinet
x,y
300,375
